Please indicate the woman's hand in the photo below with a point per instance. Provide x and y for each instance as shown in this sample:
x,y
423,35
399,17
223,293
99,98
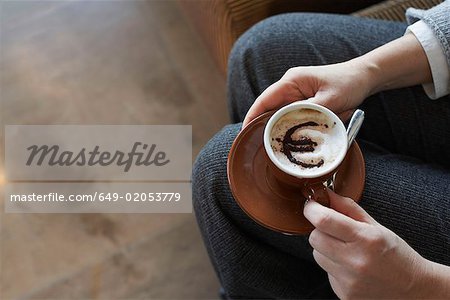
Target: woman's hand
x,y
342,87
339,87
363,259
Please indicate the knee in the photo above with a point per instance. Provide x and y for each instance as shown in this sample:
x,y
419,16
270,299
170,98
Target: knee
x,y
266,51
294,39
279,41
253,50
209,173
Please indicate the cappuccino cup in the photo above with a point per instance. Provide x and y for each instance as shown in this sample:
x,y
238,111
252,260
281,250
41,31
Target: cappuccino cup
x,y
306,143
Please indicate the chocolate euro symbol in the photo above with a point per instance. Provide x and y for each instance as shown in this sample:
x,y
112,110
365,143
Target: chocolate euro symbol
x,y
302,145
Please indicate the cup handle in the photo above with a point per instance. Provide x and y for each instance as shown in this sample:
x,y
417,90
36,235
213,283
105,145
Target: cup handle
x,y
317,192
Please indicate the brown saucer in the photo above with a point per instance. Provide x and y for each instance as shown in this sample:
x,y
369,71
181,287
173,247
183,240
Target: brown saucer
x,y
267,201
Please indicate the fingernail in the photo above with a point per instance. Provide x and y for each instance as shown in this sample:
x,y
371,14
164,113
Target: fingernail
x,y
307,200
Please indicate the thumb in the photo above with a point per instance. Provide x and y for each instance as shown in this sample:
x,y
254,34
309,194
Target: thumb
x,y
349,208
278,94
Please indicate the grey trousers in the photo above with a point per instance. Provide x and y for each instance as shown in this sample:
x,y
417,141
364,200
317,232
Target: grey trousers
x,y
405,141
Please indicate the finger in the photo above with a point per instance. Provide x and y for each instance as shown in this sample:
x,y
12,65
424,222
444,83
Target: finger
x,y
325,263
346,115
335,285
327,245
323,99
276,95
348,207
331,222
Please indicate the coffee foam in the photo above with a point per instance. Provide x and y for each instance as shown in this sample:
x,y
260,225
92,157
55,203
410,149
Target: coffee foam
x,y
329,141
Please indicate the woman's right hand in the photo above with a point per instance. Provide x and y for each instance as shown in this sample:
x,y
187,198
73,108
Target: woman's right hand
x,y
340,87
365,260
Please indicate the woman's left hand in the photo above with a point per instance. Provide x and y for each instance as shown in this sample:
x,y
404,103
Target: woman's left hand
x,y
364,259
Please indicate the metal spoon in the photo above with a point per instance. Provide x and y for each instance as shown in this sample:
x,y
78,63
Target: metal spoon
x,y
354,126
352,130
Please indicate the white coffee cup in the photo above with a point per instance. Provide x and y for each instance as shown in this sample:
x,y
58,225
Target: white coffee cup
x,y
339,137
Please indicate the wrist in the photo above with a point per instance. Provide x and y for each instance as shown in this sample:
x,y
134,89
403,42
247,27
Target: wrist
x,y
399,63
368,74
433,281
439,280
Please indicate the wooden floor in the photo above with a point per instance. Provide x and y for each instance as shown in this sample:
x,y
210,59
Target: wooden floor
x,y
105,62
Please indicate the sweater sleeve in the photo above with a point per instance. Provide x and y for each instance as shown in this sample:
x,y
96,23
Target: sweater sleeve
x,y
432,29
438,20
436,60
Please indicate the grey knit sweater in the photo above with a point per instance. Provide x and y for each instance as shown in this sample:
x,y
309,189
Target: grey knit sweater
x,y
438,19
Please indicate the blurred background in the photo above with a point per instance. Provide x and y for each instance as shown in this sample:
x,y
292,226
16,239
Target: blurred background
x,y
120,62
106,62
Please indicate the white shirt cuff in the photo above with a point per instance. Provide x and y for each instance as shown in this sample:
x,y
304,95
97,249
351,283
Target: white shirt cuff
x,y
436,59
